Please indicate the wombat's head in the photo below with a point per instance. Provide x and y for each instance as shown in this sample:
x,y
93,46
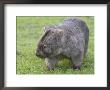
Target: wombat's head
x,y
50,43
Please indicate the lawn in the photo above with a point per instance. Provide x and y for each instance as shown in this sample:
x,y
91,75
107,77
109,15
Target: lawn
x,y
28,32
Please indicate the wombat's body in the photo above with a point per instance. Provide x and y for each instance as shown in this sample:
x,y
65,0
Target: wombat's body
x,y
69,38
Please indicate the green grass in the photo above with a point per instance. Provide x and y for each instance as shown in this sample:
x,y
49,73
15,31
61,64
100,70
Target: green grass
x,y
29,31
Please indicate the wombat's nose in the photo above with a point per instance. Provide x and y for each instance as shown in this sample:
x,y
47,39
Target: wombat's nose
x,y
37,52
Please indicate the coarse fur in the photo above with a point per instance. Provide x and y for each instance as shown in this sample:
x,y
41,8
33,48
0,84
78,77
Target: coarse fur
x,y
69,38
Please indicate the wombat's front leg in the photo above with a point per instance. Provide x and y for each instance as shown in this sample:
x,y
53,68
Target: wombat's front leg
x,y
77,61
51,63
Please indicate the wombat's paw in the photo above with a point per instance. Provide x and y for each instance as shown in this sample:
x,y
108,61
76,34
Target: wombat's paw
x,y
49,69
77,67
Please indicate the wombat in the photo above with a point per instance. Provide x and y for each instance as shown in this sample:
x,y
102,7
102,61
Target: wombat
x,y
69,38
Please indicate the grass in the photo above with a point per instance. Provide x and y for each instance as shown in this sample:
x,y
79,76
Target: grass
x,y
29,31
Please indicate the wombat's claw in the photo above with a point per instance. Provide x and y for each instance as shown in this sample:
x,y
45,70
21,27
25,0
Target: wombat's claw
x,y
77,68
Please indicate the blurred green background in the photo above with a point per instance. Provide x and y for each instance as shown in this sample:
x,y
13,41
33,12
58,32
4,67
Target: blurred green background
x,y
29,31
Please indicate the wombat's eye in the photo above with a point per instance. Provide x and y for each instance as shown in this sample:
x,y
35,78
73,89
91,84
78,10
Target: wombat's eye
x,y
44,46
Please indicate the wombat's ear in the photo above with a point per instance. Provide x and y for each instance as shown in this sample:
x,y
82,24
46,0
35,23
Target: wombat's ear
x,y
59,31
46,28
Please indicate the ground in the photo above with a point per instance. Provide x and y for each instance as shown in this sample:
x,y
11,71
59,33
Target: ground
x,y
29,29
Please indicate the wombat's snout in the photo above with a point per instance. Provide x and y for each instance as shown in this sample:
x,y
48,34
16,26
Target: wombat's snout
x,y
37,52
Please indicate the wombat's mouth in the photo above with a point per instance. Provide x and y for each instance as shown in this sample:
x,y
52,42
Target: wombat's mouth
x,y
40,56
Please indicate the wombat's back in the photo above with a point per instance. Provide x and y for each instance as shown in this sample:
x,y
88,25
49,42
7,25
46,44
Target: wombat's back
x,y
72,24
75,26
